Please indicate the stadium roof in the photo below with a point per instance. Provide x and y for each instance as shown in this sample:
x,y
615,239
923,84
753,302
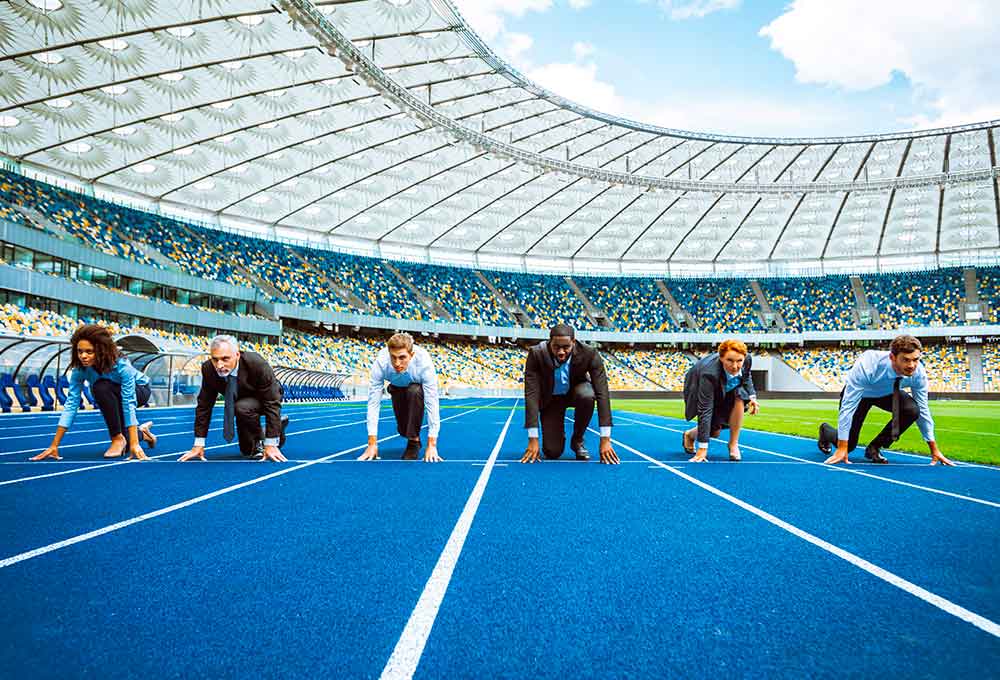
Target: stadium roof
x,y
389,126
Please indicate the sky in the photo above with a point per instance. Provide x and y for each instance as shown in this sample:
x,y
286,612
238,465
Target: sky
x,y
758,67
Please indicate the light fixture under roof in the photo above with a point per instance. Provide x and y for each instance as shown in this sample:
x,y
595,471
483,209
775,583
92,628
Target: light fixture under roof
x,y
313,142
171,77
186,151
241,169
78,147
114,90
291,183
251,20
276,155
125,131
48,57
145,168
204,185
181,31
222,106
276,93
225,139
295,54
60,103
172,117
8,121
269,125
113,45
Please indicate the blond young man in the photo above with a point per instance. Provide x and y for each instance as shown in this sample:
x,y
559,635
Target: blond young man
x,y
414,390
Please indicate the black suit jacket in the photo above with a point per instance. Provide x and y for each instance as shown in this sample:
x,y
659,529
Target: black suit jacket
x,y
586,365
703,391
254,379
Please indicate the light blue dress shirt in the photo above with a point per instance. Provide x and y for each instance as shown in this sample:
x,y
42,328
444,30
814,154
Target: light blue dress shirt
x,y
561,385
872,376
122,373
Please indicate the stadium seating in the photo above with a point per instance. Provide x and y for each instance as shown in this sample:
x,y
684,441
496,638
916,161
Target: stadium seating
x,y
665,369
825,367
631,304
548,300
316,277
463,295
916,298
820,303
718,305
989,292
991,367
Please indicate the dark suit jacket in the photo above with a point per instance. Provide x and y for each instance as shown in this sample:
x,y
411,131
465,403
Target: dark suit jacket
x,y
586,365
254,379
703,391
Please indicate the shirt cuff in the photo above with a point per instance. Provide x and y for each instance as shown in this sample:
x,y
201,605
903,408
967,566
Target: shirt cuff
x,y
199,441
271,441
532,433
606,431
702,446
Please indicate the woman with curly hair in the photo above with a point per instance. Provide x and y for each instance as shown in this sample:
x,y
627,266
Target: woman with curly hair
x,y
118,389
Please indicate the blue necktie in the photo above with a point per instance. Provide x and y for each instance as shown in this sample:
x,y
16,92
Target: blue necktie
x,y
229,422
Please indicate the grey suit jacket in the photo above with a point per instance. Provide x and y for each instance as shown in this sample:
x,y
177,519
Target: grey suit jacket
x,y
703,391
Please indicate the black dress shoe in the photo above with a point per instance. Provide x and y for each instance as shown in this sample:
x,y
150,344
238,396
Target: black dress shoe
x,y
284,426
873,454
257,453
824,446
412,451
827,438
581,452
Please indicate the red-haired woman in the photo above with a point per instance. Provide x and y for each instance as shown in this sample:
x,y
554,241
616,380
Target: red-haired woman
x,y
718,389
118,389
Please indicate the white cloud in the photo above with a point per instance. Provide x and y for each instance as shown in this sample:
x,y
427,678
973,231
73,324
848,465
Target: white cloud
x,y
515,45
733,114
582,50
695,9
579,83
487,16
859,45
579,4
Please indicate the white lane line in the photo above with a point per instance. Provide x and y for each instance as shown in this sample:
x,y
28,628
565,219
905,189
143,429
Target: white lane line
x,y
172,453
189,431
406,655
37,552
926,457
156,421
833,468
933,599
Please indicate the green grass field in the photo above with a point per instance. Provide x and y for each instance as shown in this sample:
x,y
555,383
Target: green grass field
x,y
965,430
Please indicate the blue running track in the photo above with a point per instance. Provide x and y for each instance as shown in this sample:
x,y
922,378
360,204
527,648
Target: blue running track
x,y
481,567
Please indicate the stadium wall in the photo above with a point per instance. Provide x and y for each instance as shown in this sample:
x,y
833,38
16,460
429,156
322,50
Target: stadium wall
x,y
34,239
65,290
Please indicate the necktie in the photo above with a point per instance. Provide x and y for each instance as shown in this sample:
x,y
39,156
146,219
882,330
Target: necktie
x,y
229,418
895,409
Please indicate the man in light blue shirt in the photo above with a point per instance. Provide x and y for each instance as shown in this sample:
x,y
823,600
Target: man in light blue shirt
x,y
413,387
877,379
